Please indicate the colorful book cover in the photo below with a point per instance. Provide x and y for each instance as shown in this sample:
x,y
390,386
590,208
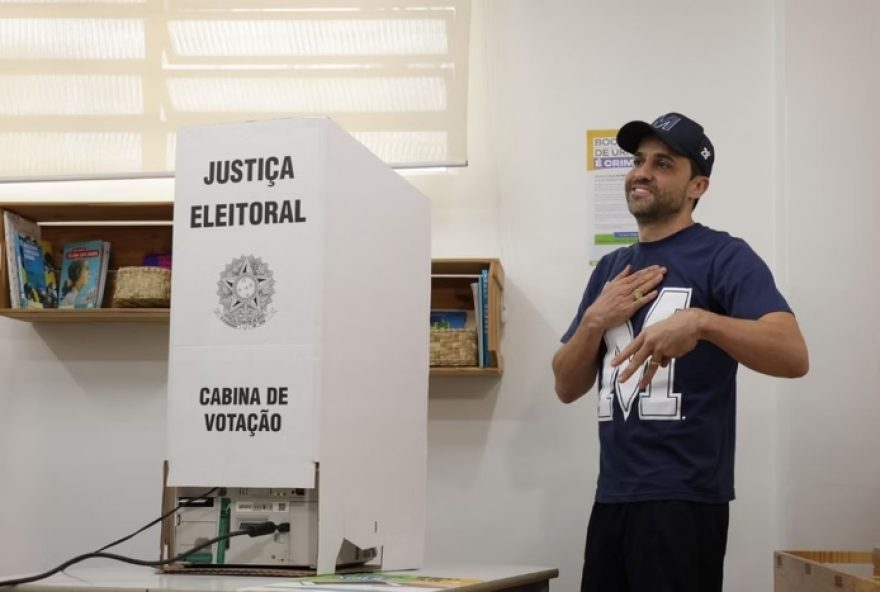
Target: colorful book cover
x,y
80,274
484,301
15,225
448,319
478,314
157,260
50,271
102,279
33,292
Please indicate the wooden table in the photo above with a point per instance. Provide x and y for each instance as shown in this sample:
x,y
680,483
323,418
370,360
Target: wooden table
x,y
129,578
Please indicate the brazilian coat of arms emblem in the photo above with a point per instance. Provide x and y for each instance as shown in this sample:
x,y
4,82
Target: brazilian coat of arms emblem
x,y
245,289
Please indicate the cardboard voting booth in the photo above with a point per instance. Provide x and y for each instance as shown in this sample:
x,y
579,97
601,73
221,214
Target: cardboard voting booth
x,y
298,368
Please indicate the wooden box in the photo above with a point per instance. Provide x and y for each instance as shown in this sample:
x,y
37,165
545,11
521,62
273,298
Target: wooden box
x,y
827,571
451,289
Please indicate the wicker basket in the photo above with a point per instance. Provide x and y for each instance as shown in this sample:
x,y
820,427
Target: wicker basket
x,y
453,347
142,287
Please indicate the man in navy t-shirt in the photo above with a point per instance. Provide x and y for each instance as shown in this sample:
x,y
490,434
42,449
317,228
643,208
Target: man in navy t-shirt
x,y
663,325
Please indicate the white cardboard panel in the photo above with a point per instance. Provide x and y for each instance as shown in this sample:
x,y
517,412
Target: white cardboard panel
x,y
377,278
351,328
241,288
289,250
206,443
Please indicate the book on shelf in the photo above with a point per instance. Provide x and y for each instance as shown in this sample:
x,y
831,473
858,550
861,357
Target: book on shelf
x,y
83,274
35,289
157,260
18,230
16,226
50,272
105,263
450,319
484,300
478,315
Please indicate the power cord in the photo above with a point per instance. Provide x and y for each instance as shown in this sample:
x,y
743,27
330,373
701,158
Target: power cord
x,y
158,520
254,530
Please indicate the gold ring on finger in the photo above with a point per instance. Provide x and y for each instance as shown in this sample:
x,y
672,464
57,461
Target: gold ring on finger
x,y
637,294
653,362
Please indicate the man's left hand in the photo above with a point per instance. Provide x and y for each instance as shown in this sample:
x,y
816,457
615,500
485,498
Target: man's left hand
x,y
658,344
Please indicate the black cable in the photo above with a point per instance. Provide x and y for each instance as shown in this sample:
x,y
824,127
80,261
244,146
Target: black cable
x,y
156,521
253,531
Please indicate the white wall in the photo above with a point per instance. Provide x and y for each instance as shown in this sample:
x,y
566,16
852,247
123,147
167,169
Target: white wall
x,y
508,453
82,439
830,471
511,470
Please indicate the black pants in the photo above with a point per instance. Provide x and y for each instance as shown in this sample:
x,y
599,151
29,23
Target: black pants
x,y
661,546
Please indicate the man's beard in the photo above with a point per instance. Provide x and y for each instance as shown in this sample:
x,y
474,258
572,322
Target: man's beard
x,y
660,207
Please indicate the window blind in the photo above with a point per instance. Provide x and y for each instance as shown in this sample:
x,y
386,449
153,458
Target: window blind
x,y
98,87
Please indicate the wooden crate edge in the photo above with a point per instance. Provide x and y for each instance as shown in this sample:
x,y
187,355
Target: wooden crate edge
x,y
797,570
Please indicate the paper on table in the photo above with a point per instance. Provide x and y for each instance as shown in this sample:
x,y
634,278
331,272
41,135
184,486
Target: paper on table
x,y
370,582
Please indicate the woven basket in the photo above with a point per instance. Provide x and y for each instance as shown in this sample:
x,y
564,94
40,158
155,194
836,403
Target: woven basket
x,y
142,287
453,347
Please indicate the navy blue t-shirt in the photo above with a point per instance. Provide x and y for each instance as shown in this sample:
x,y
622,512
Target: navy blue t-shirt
x,y
676,439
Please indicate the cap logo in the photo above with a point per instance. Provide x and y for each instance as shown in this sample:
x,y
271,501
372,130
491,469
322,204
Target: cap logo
x,y
705,153
666,122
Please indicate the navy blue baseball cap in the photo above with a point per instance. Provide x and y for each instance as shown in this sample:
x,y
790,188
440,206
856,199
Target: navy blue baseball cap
x,y
679,132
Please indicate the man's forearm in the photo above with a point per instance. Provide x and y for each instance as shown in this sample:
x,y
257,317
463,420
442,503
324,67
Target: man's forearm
x,y
575,363
771,345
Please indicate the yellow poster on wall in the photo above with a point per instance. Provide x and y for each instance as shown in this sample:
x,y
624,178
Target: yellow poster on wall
x,y
603,152
613,225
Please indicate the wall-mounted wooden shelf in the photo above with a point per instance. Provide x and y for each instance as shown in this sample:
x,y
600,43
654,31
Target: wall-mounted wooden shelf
x,y
464,371
133,230
92,315
451,289
136,228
